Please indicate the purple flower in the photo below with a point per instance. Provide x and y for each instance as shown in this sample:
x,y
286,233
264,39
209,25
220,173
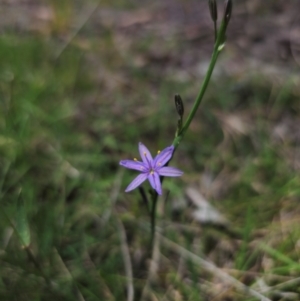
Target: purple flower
x,y
150,168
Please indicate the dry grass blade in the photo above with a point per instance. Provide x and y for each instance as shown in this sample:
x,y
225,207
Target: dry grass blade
x,y
212,269
178,277
282,286
91,10
123,238
113,196
127,261
66,274
92,269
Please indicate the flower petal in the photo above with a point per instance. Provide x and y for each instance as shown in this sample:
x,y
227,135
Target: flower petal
x,y
132,164
168,171
145,154
154,180
136,182
164,156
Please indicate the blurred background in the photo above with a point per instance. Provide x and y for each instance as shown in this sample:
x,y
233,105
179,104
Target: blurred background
x,y
81,83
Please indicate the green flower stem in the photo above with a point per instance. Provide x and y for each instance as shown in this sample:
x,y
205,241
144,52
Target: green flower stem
x,y
219,45
153,217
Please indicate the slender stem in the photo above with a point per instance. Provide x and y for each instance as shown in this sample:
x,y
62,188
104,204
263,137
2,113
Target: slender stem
x,y
153,217
217,49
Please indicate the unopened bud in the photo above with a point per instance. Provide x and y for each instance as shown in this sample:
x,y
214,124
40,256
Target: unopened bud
x,y
213,9
227,11
179,105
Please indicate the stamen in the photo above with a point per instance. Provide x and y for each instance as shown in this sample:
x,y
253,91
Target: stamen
x,y
158,151
151,172
135,159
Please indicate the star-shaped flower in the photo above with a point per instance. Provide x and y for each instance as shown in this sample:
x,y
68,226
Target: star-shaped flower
x,y
150,168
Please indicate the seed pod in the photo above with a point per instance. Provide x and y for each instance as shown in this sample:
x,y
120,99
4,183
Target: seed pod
x,y
227,11
179,105
213,9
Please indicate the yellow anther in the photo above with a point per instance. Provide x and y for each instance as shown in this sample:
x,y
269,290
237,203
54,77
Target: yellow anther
x,y
135,159
158,151
151,172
